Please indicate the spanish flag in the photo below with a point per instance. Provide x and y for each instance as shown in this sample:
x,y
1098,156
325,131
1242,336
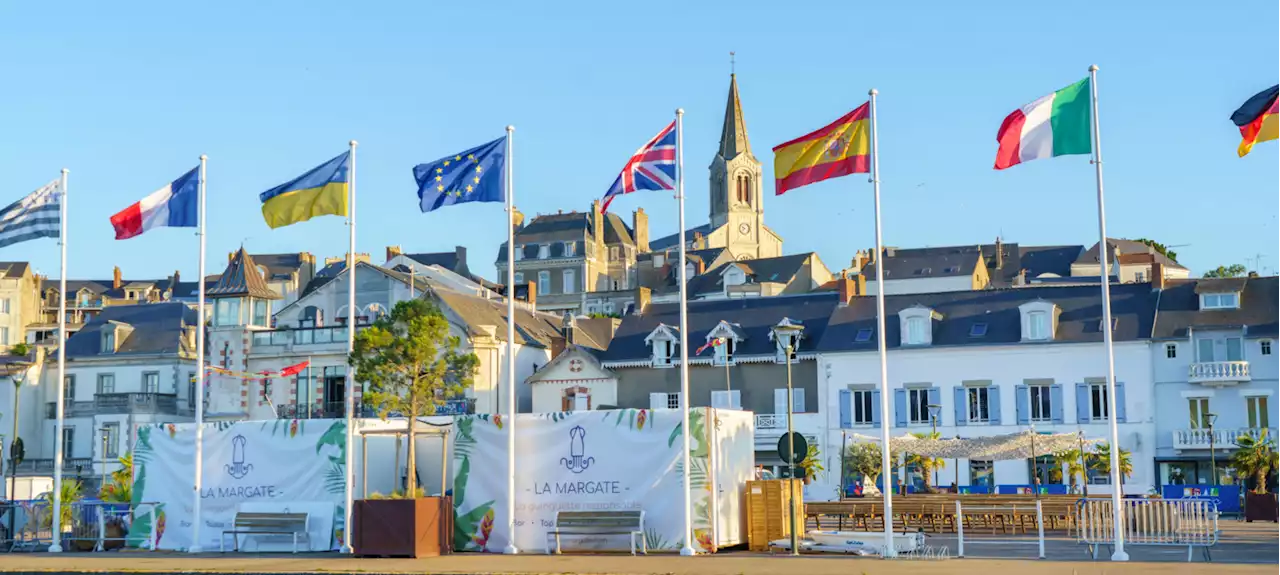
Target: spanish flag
x,y
1257,119
321,191
839,149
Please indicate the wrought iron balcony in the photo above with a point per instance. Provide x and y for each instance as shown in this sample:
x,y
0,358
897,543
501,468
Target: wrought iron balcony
x,y
1219,372
337,410
45,466
115,403
1184,439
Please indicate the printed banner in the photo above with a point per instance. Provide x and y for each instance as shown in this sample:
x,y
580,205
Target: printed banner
x,y
277,465
624,459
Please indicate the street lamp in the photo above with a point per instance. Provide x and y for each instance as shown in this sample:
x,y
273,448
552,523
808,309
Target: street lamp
x,y
18,378
1213,456
787,335
934,410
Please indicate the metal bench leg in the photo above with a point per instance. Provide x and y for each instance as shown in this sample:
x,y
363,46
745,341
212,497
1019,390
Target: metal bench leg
x,y
557,542
295,542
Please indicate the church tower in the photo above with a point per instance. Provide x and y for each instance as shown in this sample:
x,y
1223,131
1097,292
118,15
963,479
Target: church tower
x,y
736,183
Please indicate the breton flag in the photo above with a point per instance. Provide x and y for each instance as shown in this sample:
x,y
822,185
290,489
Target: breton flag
x,y
1257,119
840,148
1055,125
39,215
177,205
652,167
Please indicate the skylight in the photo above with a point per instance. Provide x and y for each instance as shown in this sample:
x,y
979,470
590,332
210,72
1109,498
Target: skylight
x,y
864,335
978,330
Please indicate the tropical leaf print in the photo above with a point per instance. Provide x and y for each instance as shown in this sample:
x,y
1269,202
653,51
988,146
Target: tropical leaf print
x,y
460,483
464,442
465,525
640,418
142,449
653,539
675,434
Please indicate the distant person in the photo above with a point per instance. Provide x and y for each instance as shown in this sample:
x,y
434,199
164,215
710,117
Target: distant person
x,y
857,489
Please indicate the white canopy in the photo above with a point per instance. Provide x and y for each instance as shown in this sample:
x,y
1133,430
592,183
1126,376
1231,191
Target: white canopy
x,y
994,447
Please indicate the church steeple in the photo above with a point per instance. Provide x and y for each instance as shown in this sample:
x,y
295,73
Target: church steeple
x,y
733,136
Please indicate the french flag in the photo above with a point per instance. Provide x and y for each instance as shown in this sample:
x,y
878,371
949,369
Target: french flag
x,y
177,205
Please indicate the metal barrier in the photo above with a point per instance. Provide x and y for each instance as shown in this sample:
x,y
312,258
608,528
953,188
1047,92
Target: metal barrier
x,y
94,526
1165,522
997,509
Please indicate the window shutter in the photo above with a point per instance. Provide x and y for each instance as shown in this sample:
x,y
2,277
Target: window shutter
x,y
1082,403
657,401
565,402
846,409
962,413
1055,402
900,408
797,400
993,405
1120,411
735,399
1022,401
875,407
780,400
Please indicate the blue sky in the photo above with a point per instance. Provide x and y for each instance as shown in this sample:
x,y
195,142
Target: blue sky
x,y
128,95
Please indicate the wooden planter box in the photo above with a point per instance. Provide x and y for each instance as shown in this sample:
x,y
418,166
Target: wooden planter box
x,y
1260,507
420,527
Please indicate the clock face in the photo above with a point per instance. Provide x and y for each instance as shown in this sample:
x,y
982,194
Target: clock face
x,y
744,228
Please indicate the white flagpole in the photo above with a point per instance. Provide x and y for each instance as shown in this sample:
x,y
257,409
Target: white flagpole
x,y
1117,493
352,319
684,343
886,461
56,545
511,548
198,396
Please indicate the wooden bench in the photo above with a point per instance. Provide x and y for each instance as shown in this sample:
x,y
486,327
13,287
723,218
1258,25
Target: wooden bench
x,y
582,523
294,524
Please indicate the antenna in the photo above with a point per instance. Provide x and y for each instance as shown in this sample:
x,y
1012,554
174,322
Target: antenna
x,y
733,65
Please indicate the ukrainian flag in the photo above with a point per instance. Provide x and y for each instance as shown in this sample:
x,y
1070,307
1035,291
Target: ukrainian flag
x,y
321,191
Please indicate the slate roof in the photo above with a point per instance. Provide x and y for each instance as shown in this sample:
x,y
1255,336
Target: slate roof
x,y
1180,306
949,261
282,266
13,269
673,240
446,260
1127,248
780,269
1080,319
535,329
571,227
1039,260
756,316
242,278
332,271
595,332
157,329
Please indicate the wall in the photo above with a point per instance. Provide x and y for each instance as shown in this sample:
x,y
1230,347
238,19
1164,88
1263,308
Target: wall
x,y
757,381
372,286
922,285
24,307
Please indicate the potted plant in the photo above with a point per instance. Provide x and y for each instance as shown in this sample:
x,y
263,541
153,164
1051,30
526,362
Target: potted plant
x,y
117,489
926,465
410,365
864,459
1255,458
812,464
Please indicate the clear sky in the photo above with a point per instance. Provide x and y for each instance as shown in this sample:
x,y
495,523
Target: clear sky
x,y
128,95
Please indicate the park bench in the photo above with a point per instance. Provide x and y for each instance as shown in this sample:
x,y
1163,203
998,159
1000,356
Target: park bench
x,y
588,523
246,523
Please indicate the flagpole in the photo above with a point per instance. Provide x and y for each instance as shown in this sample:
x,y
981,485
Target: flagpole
x,y
198,395
886,461
684,343
352,319
1117,494
56,545
511,548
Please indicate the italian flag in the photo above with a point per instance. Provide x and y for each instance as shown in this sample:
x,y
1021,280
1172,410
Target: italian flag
x,y
1055,125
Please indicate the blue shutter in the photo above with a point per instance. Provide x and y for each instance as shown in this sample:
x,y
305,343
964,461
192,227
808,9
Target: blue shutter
x,y
1055,402
900,408
875,408
993,404
935,398
1082,403
1022,404
846,409
962,416
1120,411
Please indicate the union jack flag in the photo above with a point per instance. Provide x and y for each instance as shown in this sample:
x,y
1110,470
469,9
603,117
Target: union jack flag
x,y
652,167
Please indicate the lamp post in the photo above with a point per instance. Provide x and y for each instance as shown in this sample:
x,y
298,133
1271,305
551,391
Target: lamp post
x,y
106,438
724,342
1213,455
785,334
934,410
18,377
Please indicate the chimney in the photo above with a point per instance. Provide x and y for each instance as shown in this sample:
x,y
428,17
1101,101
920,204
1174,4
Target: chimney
x,y
1157,276
117,281
699,242
643,296
1021,280
888,251
531,294
176,276
517,219
597,225
567,325
999,253
699,266
640,223
860,285
859,260
846,287
557,346
392,251
460,254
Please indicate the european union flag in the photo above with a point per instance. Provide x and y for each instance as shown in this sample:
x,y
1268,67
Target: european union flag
x,y
474,175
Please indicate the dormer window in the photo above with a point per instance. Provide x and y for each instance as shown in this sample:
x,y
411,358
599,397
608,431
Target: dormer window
x,y
1039,320
1037,325
733,275
1230,300
519,252
659,260
725,338
544,251
916,323
863,336
787,337
109,341
663,341
569,249
690,270
916,327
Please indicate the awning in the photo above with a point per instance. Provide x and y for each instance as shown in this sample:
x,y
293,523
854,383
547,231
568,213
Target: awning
x,y
993,447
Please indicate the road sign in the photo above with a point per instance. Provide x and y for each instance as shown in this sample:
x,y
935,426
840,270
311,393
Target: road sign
x,y
799,448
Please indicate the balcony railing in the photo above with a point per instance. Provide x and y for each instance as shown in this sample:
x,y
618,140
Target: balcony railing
x,y
115,403
45,466
301,336
337,409
1219,439
1219,372
771,421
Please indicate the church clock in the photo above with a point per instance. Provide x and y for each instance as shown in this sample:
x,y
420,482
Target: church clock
x,y
744,228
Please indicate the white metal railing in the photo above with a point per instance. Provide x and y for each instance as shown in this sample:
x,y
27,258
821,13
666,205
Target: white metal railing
x,y
1220,439
997,509
92,525
1167,522
771,421
1218,371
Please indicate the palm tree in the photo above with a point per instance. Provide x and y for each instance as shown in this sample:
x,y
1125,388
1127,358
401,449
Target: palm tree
x,y
926,465
1100,461
1075,466
1256,458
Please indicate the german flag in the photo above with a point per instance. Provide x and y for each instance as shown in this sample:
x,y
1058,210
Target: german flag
x,y
1257,119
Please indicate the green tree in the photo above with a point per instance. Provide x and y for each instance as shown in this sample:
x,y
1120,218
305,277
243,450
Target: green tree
x,y
1255,458
1231,271
119,487
71,495
1100,461
812,463
1075,466
20,349
864,459
411,365
926,465
1160,248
